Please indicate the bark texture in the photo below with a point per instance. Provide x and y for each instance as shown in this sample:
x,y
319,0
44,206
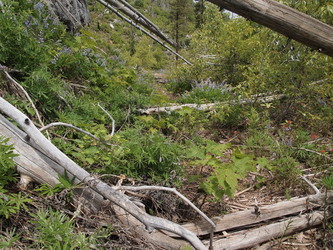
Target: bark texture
x,y
285,20
73,13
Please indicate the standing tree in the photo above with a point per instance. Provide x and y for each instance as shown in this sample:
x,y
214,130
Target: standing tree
x,y
181,16
199,11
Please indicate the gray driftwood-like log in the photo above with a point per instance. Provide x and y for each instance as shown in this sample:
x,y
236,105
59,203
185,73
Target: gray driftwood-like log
x,y
210,106
253,237
43,147
249,217
285,20
33,165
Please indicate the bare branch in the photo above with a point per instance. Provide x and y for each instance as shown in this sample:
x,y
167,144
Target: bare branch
x,y
113,121
311,185
29,99
173,190
138,17
210,106
54,124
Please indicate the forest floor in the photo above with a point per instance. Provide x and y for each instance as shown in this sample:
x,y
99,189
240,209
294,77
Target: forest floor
x,y
251,192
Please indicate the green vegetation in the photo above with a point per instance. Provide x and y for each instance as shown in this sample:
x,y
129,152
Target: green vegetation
x,y
67,76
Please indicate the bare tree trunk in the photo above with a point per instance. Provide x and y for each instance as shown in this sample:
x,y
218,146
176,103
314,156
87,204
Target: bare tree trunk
x,y
285,20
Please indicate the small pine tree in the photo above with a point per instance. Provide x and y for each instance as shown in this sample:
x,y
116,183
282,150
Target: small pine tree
x,y
182,20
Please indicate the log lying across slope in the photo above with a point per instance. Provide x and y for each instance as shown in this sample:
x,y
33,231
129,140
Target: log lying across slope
x,y
285,20
210,106
57,162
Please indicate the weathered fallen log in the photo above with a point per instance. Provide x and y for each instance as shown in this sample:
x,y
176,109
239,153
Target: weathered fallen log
x,y
285,20
249,217
250,238
210,106
33,165
37,141
134,23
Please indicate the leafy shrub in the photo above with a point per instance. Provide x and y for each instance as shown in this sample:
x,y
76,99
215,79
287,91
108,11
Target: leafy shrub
x,y
231,116
12,204
8,239
226,170
54,230
7,170
286,171
206,91
328,181
25,34
146,155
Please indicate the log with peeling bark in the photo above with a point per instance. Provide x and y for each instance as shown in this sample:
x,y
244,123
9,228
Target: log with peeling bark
x,y
285,20
210,106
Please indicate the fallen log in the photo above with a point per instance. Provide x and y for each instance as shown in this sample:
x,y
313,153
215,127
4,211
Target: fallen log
x,y
33,165
134,23
250,238
250,217
210,106
99,190
285,20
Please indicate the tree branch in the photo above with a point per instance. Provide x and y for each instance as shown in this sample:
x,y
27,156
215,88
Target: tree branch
x,y
173,190
210,106
113,121
138,17
54,124
29,99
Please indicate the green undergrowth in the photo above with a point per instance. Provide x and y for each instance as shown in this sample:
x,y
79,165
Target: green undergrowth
x,y
69,76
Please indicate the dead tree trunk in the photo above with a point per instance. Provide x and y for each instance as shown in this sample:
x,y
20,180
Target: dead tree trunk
x,y
285,20
73,13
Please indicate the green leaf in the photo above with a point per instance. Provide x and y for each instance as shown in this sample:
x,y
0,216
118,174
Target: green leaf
x,y
216,148
264,163
231,178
